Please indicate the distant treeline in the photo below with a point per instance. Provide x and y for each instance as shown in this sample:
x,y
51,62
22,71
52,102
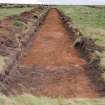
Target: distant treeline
x,y
97,6
15,5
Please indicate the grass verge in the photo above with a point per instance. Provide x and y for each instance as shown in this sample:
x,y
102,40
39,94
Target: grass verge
x,y
4,12
27,99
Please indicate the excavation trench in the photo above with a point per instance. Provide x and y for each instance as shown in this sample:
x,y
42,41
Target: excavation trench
x,y
51,66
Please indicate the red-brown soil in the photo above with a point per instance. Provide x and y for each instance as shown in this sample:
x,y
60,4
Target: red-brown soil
x,y
52,66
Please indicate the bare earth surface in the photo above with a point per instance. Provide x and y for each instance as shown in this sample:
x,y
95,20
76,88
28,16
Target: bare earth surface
x,y
52,67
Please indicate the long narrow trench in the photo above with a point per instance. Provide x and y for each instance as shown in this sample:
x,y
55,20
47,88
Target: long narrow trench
x,y
52,67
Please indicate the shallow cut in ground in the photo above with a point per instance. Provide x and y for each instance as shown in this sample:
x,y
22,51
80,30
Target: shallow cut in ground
x,y
52,66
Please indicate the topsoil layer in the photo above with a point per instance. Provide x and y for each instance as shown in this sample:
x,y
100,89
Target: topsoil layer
x,y
51,66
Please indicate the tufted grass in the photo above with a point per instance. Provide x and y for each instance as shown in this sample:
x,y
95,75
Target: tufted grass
x,y
27,99
4,12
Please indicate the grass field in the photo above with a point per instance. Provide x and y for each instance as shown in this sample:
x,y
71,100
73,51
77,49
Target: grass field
x,y
32,100
91,22
4,12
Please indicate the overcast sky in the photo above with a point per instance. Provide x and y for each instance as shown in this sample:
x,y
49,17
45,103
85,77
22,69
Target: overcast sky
x,y
75,2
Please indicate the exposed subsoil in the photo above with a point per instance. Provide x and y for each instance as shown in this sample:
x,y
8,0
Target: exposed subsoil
x,y
51,66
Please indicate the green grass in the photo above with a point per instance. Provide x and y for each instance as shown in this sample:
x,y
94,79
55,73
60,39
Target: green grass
x,y
27,99
91,22
86,16
4,12
19,23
